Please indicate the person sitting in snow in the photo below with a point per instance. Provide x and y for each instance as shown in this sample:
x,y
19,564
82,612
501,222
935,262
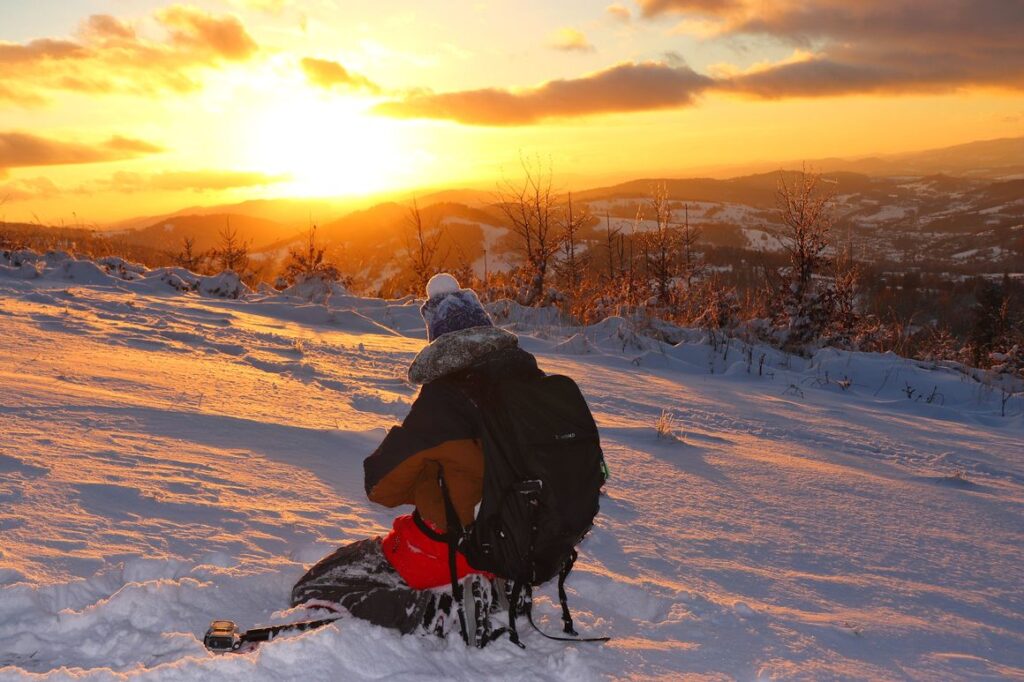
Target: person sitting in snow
x,y
402,581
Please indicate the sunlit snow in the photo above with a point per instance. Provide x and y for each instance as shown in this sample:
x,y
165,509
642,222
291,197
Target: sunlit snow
x,y
167,458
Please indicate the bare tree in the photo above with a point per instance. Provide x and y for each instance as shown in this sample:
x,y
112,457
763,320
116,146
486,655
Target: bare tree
x,y
692,266
805,209
806,212
529,206
423,248
661,246
572,264
5,241
233,253
846,275
628,258
610,244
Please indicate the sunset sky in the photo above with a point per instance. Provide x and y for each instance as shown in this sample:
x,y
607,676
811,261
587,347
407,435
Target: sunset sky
x,y
129,107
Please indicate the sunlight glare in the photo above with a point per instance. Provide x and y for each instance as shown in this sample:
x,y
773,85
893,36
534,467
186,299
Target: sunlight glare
x,y
329,146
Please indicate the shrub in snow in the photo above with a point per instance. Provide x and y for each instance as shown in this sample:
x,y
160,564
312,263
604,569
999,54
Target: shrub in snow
x,y
1010,362
316,288
16,258
225,285
660,330
121,268
26,270
55,257
177,278
665,426
713,306
621,334
508,312
84,272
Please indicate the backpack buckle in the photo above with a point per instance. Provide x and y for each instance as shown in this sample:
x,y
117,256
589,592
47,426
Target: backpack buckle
x,y
530,487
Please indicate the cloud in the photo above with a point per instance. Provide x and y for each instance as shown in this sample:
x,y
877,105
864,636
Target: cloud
x,y
19,150
195,181
26,189
570,40
17,54
327,74
619,12
123,182
127,144
103,27
197,31
622,88
653,8
838,48
870,46
19,96
107,55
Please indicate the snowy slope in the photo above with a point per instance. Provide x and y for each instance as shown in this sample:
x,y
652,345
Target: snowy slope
x,y
168,458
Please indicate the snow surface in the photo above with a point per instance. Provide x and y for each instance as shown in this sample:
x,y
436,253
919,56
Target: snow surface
x,y
886,213
167,458
762,240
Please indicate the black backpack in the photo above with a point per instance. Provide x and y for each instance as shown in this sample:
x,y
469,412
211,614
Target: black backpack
x,y
543,473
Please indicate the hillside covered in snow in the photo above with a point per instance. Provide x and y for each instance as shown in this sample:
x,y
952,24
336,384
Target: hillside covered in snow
x,y
175,449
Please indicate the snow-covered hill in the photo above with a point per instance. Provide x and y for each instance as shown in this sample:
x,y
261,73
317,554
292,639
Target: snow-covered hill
x,y
167,458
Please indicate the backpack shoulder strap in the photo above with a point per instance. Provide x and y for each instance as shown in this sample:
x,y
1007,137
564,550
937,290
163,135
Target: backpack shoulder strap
x,y
453,532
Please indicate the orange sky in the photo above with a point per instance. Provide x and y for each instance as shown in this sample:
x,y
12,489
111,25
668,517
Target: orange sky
x,y
130,107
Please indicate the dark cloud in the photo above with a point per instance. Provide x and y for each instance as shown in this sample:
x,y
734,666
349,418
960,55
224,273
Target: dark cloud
x,y
327,74
814,78
840,48
890,46
108,56
652,8
19,150
623,88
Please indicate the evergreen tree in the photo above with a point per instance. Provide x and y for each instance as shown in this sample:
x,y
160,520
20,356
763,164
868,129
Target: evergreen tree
x,y
308,261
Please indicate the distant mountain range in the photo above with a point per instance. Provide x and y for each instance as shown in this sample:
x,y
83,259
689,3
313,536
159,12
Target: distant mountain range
x,y
999,158
957,205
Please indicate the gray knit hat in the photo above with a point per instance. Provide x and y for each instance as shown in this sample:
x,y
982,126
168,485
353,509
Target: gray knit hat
x,y
450,308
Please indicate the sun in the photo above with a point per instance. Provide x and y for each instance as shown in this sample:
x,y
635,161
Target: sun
x,y
330,146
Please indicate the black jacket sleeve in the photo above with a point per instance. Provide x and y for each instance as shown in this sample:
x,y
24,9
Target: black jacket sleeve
x,y
441,412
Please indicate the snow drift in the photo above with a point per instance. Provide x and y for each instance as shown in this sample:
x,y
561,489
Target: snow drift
x,y
174,449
